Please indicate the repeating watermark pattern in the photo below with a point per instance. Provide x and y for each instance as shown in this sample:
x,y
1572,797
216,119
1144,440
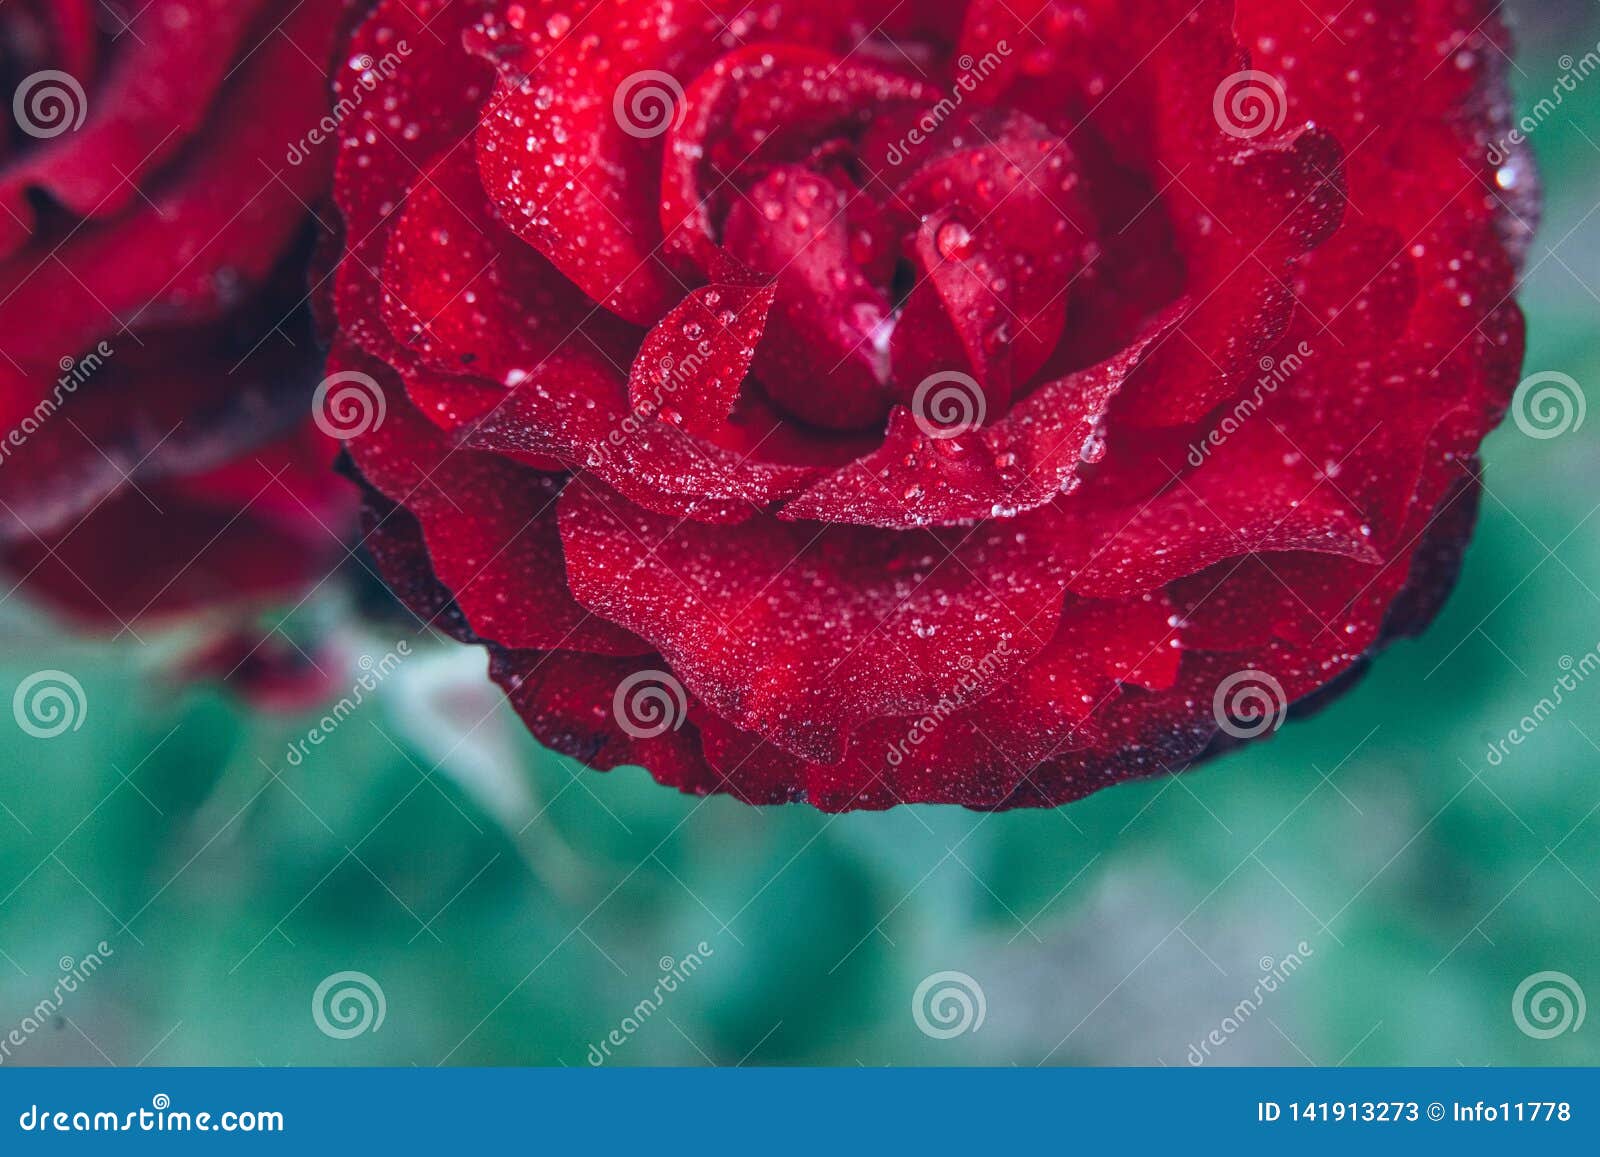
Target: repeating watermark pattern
x,y
50,103
1548,405
672,374
974,677
948,1004
648,103
348,404
1250,104
1274,373
1573,74
49,703
1249,703
948,404
673,974
649,703
373,672
73,974
348,1004
1274,974
973,72
1577,671
1548,1004
74,372
371,74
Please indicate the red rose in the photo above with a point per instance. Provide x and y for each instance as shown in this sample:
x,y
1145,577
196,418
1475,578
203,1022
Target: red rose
x,y
156,448
982,403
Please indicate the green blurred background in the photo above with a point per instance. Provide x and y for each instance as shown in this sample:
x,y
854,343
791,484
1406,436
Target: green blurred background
x,y
514,908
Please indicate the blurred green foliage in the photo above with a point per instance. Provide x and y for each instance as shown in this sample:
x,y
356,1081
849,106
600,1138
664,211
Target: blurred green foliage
x,y
515,909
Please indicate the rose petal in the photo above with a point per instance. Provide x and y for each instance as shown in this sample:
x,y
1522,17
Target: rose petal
x,y
922,477
173,58
799,634
500,559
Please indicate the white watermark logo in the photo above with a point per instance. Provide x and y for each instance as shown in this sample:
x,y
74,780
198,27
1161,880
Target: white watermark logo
x,y
1548,1004
649,703
948,404
49,703
348,1004
648,103
1548,405
160,1117
348,404
1249,104
1249,703
50,103
948,1004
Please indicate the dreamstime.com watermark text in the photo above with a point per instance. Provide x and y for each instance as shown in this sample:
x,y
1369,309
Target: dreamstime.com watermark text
x,y
672,374
1573,74
1274,373
1576,671
673,974
159,1117
974,677
373,672
973,72
74,372
73,974
372,72
1274,974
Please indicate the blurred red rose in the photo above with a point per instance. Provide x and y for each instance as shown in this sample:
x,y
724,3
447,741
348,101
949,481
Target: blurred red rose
x,y
983,403
157,185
